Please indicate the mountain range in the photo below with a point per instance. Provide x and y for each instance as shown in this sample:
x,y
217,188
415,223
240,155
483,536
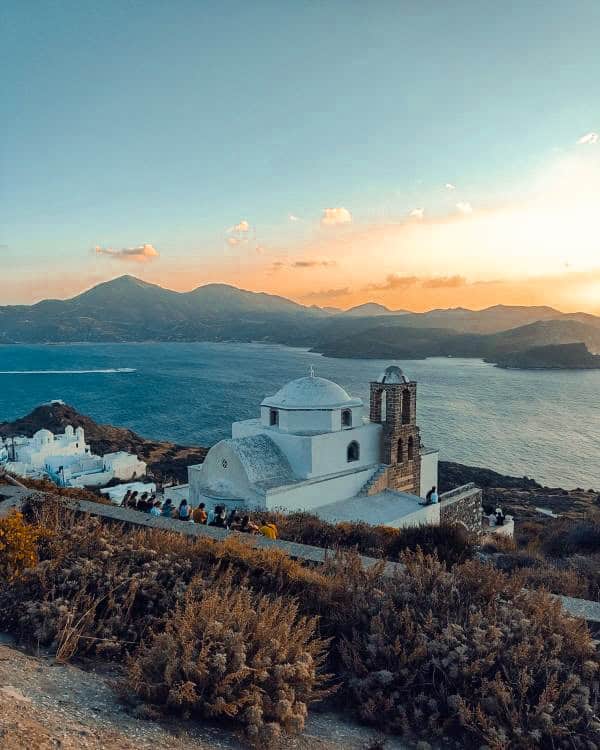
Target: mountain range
x,y
128,309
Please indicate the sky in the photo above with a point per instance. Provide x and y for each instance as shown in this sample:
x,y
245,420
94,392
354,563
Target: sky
x,y
419,155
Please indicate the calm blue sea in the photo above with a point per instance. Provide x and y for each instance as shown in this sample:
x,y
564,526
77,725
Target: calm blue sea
x,y
543,424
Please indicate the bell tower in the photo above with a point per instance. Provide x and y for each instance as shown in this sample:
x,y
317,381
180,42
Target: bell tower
x,y
394,405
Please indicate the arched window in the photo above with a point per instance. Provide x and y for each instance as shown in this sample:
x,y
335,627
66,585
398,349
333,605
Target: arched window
x,y
346,417
273,417
406,407
353,452
400,451
411,448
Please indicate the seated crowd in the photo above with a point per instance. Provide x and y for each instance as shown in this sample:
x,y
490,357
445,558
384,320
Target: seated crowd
x,y
233,521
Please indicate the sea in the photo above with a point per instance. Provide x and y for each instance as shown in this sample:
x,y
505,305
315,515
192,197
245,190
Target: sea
x,y
541,424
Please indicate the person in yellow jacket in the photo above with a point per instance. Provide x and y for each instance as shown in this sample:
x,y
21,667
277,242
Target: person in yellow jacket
x,y
269,530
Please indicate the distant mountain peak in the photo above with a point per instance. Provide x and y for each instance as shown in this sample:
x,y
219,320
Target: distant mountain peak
x,y
368,309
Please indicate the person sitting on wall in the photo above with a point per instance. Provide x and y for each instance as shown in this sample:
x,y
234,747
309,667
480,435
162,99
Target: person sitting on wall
x,y
500,517
125,499
143,502
428,496
167,508
219,517
184,512
133,500
247,527
269,530
200,515
155,509
233,520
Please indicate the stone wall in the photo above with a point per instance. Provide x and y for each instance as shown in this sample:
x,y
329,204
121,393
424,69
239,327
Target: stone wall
x,y
462,506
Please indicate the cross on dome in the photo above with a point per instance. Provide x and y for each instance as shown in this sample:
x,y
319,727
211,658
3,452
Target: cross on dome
x,y
311,371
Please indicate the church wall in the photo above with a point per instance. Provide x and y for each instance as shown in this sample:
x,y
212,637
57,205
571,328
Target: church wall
x,y
329,451
310,495
429,471
221,470
430,515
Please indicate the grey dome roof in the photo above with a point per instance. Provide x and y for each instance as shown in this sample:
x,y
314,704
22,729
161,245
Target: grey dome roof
x,y
392,374
311,393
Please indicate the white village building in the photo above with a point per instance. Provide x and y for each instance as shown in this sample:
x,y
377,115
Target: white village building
x,y
67,459
314,448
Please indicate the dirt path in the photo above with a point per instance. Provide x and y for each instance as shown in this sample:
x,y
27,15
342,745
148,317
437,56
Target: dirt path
x,y
49,706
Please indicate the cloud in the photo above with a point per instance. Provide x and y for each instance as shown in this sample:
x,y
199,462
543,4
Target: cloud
x,y
464,207
588,139
417,213
233,241
393,281
326,294
444,282
450,186
291,217
334,216
243,226
140,254
307,263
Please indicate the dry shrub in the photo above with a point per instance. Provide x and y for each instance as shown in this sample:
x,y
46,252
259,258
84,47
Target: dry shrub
x,y
564,580
451,543
229,652
567,537
18,546
467,653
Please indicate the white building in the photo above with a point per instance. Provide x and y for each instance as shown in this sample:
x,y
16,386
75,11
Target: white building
x,y
67,459
314,448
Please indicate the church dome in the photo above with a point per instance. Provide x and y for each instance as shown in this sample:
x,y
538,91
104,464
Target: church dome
x,y
392,374
311,393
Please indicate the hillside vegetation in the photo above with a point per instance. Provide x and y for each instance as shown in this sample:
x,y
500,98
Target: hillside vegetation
x,y
461,655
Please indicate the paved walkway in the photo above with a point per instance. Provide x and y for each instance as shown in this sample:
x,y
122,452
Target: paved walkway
x,y
14,496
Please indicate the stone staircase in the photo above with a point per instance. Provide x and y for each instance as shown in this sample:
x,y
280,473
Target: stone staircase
x,y
375,478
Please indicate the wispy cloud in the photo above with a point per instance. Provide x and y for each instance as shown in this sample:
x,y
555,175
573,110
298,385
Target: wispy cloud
x,y
588,139
393,281
140,254
464,207
293,217
417,213
304,263
242,226
444,282
335,216
450,186
327,294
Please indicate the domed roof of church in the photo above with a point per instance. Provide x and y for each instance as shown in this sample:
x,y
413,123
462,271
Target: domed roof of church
x,y
311,392
392,374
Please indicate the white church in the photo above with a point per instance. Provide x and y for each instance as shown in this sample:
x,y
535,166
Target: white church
x,y
316,448
67,459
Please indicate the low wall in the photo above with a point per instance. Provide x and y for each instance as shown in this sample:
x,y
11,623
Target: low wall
x,y
462,506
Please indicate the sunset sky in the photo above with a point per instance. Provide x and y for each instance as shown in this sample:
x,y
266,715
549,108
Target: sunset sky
x,y
419,154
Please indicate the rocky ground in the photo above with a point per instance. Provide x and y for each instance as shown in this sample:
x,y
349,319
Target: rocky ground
x,y
520,496
46,705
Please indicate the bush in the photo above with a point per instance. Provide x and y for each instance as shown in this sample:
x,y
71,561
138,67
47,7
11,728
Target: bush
x,y
228,652
573,537
468,653
452,543
18,546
